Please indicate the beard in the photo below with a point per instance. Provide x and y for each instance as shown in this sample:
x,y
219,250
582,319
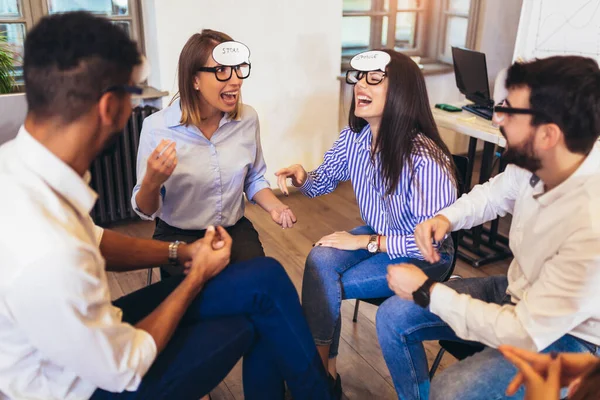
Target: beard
x,y
111,146
523,156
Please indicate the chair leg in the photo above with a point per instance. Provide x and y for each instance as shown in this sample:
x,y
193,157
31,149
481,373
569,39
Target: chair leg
x,y
149,277
354,319
436,363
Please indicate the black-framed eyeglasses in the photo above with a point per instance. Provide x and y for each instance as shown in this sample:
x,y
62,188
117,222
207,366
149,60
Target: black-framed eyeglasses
x,y
503,108
373,77
224,72
123,88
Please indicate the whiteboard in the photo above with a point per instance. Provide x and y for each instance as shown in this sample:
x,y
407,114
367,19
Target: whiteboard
x,y
558,27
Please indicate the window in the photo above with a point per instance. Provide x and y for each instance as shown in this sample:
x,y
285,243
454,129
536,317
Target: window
x,y
409,26
18,16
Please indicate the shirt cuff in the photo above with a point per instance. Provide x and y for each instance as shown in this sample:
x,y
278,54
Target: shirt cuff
x,y
139,212
442,298
395,247
147,355
453,214
307,186
256,187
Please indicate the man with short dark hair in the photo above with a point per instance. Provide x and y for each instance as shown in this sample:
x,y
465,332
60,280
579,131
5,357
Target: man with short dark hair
x,y
549,300
60,335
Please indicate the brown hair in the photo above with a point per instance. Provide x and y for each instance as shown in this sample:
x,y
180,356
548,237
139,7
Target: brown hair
x,y
194,55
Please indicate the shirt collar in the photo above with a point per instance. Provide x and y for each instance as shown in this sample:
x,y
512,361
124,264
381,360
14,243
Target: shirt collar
x,y
58,175
173,115
589,167
364,138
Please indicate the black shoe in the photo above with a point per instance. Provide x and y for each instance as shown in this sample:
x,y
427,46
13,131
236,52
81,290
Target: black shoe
x,y
336,386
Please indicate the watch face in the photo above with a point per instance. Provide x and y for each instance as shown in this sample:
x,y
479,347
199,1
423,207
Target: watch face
x,y
421,298
372,247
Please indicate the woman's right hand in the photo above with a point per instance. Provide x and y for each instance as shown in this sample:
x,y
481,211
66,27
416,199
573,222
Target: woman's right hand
x,y
296,172
161,164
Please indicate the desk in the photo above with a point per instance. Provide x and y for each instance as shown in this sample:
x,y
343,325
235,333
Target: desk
x,y
487,244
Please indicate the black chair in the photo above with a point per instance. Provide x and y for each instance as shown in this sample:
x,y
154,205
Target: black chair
x,y
457,349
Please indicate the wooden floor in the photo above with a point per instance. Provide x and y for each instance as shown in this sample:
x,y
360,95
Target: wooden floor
x,y
360,363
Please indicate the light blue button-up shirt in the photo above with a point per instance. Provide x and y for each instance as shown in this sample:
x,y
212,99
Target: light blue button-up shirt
x,y
211,177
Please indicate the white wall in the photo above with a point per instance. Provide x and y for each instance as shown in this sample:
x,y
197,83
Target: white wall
x,y
13,108
295,53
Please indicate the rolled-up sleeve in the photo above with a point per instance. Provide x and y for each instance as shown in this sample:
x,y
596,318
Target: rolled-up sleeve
x,y
62,304
332,171
146,147
255,180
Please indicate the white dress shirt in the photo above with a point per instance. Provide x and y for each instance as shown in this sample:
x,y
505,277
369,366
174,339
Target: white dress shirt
x,y
554,278
60,336
207,187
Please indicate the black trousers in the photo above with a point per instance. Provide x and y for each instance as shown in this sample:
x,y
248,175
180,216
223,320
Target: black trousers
x,y
246,244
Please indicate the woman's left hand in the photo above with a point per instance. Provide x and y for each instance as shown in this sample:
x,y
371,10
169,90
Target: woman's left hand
x,y
344,241
283,216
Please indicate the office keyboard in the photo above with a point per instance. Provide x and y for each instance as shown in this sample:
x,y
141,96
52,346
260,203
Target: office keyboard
x,y
481,110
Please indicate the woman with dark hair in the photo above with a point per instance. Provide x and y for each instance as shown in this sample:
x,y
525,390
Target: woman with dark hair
x,y
200,155
402,174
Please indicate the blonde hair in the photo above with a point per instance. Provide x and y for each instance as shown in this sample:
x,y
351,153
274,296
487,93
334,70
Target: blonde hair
x,y
194,55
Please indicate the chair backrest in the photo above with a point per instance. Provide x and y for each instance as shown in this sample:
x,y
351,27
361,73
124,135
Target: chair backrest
x,y
462,166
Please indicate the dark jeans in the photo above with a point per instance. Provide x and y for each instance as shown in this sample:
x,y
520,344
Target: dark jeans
x,y
246,244
251,309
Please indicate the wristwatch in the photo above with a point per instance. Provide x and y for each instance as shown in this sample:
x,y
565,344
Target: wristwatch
x,y
421,296
373,245
173,247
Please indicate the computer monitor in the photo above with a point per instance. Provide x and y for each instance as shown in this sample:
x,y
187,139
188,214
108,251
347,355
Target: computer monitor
x,y
470,70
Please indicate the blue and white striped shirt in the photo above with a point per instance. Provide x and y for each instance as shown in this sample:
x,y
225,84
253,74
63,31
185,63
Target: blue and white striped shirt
x,y
417,197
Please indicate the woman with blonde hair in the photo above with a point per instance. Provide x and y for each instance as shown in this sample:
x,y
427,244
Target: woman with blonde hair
x,y
200,155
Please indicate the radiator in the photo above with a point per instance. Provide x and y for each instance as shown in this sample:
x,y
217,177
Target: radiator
x,y
114,176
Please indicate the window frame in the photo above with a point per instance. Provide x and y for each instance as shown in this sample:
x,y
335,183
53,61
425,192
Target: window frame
x,y
34,10
445,15
429,31
377,13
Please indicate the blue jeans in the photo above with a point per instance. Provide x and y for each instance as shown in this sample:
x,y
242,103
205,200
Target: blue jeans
x,y
332,275
402,326
251,309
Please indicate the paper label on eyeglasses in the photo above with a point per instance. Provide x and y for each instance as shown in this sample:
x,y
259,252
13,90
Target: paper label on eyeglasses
x,y
374,60
231,53
141,71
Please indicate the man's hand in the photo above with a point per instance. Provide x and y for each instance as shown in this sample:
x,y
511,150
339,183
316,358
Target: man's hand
x,y
404,279
573,366
434,229
210,257
296,172
541,383
185,251
344,241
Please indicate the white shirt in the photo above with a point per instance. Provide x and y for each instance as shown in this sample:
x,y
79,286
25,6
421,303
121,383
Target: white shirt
x,y
60,336
554,278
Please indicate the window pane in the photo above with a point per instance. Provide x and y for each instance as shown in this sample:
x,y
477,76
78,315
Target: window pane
x,y
102,7
126,26
459,6
15,35
357,5
456,34
403,4
355,34
9,8
406,24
